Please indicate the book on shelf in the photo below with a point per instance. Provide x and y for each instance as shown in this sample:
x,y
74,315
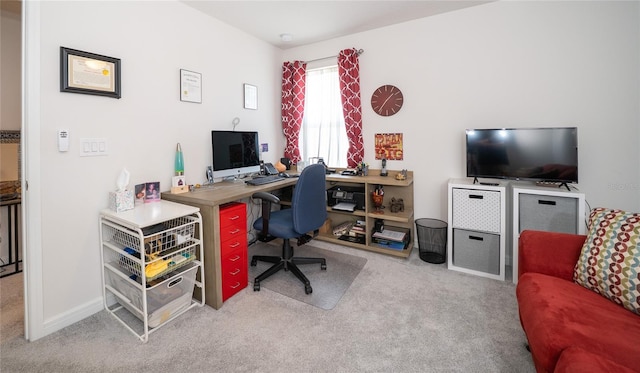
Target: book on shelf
x,y
395,245
342,228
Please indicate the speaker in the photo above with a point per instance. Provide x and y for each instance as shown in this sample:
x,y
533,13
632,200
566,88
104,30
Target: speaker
x,y
548,213
286,162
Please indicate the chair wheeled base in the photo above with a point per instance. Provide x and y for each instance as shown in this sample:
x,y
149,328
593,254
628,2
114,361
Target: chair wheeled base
x,y
286,262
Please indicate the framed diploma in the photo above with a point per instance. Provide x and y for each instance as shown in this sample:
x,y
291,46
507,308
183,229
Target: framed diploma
x,y
250,97
89,73
190,86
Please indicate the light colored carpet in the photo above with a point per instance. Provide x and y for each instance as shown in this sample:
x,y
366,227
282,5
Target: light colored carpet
x,y
328,286
11,307
398,315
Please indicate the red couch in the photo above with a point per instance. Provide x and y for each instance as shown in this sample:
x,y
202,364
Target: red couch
x,y
570,328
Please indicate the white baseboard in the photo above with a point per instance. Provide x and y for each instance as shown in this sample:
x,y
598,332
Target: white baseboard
x,y
73,316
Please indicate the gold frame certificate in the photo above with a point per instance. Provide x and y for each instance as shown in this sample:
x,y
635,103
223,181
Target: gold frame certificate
x,y
190,86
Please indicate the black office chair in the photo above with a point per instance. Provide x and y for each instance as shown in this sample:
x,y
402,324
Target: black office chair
x,y
307,214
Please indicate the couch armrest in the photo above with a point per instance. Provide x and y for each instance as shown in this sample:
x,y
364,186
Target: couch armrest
x,y
549,253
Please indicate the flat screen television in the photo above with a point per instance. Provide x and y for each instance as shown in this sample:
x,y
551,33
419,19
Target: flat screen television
x,y
538,154
235,153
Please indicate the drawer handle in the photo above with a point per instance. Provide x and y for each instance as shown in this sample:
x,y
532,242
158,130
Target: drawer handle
x,y
543,202
235,272
235,286
476,196
235,231
234,258
234,217
476,238
235,244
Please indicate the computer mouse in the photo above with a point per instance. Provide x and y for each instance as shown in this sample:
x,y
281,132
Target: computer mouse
x,y
284,174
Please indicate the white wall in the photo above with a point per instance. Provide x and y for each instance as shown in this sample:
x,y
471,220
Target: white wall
x,y
154,40
10,70
507,64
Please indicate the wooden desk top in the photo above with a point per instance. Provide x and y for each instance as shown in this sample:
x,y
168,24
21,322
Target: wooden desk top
x,y
225,192
228,191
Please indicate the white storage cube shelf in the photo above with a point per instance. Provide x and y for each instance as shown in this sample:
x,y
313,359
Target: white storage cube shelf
x,y
150,264
477,232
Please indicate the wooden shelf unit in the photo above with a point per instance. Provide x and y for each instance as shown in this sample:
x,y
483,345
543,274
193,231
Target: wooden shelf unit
x,y
392,188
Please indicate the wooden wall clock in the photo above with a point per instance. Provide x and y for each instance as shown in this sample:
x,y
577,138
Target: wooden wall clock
x,y
387,100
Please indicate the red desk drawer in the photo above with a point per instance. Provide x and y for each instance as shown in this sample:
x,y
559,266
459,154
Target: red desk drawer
x,y
233,214
235,243
233,248
234,273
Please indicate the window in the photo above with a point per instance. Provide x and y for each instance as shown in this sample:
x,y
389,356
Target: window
x,y
323,132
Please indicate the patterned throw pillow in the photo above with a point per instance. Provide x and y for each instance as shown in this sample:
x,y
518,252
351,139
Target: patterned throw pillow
x,y
609,263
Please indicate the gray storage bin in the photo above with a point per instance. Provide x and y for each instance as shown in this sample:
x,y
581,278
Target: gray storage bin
x,y
477,251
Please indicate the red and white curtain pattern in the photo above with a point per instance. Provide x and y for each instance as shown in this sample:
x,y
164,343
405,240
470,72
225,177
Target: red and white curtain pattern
x,y
293,89
349,72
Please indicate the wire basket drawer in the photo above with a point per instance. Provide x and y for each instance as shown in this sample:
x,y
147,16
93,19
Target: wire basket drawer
x,y
167,246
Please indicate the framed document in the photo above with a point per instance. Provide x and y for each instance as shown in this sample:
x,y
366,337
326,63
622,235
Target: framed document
x,y
190,86
250,97
89,73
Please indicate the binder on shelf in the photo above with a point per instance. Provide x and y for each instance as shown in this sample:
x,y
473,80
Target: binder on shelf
x,y
395,245
345,206
390,235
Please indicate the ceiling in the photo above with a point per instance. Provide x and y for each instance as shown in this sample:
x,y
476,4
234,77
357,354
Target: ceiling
x,y
313,21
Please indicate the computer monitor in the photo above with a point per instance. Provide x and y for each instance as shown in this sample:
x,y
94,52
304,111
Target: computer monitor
x,y
235,153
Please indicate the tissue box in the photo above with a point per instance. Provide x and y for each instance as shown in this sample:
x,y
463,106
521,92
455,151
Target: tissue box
x,y
121,200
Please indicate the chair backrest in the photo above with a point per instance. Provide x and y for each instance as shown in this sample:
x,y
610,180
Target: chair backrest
x,y
309,202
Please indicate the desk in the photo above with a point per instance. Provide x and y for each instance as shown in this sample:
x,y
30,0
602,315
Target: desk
x,y
209,199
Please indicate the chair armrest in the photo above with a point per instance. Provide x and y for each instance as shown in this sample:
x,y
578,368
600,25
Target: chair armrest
x,y
549,253
266,197
267,200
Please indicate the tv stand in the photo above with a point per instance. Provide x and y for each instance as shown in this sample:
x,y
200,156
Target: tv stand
x,y
476,181
559,184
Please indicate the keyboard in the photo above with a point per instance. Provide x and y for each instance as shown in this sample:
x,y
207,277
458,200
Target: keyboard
x,y
264,180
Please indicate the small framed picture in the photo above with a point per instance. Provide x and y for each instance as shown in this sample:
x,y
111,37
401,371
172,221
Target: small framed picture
x,y
250,97
139,195
89,73
152,192
190,86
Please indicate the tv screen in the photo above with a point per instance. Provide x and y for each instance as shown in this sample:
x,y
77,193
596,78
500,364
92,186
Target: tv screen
x,y
541,154
235,153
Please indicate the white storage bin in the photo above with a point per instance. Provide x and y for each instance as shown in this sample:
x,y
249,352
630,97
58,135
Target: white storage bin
x,y
476,210
164,299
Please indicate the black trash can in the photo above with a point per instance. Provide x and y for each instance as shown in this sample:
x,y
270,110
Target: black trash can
x,y
432,240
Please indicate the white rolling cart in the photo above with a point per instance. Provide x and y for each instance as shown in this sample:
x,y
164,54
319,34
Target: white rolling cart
x,y
152,260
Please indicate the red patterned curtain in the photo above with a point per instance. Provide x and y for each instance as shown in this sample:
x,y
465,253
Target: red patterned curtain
x,y
293,88
349,72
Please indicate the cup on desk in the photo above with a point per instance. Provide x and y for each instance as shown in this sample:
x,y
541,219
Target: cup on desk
x,y
300,166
